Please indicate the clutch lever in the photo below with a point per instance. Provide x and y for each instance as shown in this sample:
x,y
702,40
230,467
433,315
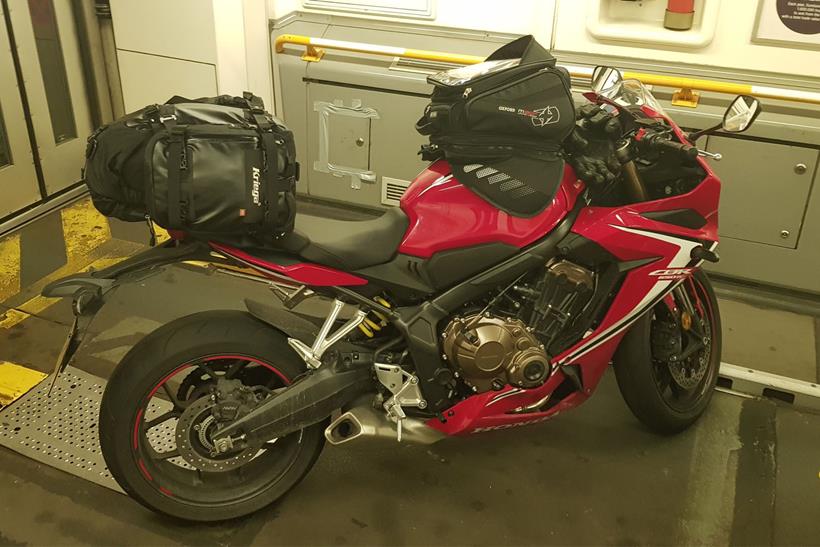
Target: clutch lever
x,y
717,156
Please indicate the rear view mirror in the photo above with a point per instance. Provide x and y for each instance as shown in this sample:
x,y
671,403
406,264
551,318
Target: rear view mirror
x,y
741,114
605,77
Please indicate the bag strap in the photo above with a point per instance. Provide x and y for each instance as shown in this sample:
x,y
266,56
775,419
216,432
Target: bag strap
x,y
254,102
271,175
167,115
177,162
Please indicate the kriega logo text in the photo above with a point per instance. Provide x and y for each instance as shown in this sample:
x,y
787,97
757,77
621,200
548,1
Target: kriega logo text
x,y
539,116
257,198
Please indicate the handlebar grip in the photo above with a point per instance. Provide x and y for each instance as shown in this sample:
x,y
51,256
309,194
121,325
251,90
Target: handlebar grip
x,y
684,150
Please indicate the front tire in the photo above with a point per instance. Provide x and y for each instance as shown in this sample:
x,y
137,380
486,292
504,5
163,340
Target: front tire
x,y
158,409
666,393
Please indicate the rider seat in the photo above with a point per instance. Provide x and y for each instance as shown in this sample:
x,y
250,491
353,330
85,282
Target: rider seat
x,y
346,244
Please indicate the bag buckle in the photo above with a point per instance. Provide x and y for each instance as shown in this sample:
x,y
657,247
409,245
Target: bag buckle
x,y
163,119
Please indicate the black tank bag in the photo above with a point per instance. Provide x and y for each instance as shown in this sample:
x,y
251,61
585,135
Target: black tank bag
x,y
218,167
501,123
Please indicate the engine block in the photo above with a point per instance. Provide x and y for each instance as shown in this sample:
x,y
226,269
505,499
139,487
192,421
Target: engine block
x,y
491,352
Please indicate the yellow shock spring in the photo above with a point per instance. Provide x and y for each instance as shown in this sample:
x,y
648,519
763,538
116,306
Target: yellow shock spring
x,y
375,320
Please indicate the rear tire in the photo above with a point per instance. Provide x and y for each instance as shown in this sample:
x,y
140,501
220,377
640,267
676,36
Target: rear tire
x,y
637,370
219,339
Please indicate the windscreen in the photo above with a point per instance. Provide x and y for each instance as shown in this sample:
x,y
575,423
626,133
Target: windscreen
x,y
632,93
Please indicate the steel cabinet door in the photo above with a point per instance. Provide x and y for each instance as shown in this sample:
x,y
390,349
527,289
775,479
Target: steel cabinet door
x,y
49,55
18,179
357,137
765,189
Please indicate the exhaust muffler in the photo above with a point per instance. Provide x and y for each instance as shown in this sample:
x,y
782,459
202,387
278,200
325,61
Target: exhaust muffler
x,y
365,421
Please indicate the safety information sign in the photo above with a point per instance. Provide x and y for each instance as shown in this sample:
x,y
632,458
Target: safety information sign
x,y
794,23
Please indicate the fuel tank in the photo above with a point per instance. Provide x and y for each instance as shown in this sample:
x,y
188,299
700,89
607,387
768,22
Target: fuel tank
x,y
444,214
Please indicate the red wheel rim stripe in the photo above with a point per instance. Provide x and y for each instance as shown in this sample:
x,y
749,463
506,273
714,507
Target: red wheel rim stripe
x,y
140,412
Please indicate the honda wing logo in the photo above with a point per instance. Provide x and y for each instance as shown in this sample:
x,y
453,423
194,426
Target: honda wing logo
x,y
546,116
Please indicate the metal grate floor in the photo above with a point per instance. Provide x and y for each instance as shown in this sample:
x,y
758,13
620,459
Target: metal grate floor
x,y
60,431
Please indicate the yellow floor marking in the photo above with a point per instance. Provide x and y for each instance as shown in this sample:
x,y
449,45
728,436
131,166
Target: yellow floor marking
x,y
162,235
40,303
16,381
11,317
84,229
9,266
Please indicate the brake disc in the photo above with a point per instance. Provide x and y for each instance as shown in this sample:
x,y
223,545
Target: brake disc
x,y
193,438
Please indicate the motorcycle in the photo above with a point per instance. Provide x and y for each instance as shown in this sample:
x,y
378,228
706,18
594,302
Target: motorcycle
x,y
446,317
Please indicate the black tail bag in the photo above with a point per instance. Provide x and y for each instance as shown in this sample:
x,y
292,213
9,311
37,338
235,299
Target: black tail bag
x,y
218,167
501,123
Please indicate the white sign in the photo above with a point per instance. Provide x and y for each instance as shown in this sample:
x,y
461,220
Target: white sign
x,y
791,23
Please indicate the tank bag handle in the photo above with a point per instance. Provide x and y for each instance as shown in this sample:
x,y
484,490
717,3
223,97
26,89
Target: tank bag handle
x,y
525,48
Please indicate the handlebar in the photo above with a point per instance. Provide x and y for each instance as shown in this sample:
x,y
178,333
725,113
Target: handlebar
x,y
658,142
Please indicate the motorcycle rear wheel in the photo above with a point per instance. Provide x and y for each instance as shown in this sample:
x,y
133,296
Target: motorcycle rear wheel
x,y
669,395
157,412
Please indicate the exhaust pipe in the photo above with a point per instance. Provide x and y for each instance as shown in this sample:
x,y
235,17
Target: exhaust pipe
x,y
364,421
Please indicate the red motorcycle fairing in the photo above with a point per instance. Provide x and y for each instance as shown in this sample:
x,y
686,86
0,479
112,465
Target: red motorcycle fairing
x,y
444,214
629,236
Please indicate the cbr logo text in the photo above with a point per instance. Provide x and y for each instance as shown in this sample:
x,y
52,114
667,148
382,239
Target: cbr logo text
x,y
672,273
255,187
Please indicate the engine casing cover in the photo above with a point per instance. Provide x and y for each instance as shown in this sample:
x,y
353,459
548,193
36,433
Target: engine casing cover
x,y
491,352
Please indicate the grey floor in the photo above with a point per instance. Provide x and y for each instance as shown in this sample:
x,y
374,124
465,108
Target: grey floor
x,y
747,474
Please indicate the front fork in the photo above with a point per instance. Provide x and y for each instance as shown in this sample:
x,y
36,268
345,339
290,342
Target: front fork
x,y
688,315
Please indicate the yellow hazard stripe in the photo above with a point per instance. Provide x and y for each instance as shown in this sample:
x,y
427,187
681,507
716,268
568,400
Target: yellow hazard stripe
x,y
40,303
84,231
16,381
9,266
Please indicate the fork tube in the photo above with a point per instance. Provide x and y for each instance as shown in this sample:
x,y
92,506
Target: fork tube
x,y
634,182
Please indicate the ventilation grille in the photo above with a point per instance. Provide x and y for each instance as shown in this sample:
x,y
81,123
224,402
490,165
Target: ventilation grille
x,y
393,190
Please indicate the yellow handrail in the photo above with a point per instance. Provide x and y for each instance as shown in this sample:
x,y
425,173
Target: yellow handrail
x,y
315,50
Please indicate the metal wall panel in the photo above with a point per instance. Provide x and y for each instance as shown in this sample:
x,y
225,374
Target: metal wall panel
x,y
387,149
764,191
148,79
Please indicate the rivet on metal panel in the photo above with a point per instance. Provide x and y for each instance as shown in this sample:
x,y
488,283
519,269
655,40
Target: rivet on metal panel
x,y
313,54
686,97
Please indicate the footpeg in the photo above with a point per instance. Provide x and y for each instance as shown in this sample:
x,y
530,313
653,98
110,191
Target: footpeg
x,y
312,355
405,389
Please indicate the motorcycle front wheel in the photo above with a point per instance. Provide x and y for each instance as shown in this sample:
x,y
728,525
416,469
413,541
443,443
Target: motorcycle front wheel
x,y
667,364
161,407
